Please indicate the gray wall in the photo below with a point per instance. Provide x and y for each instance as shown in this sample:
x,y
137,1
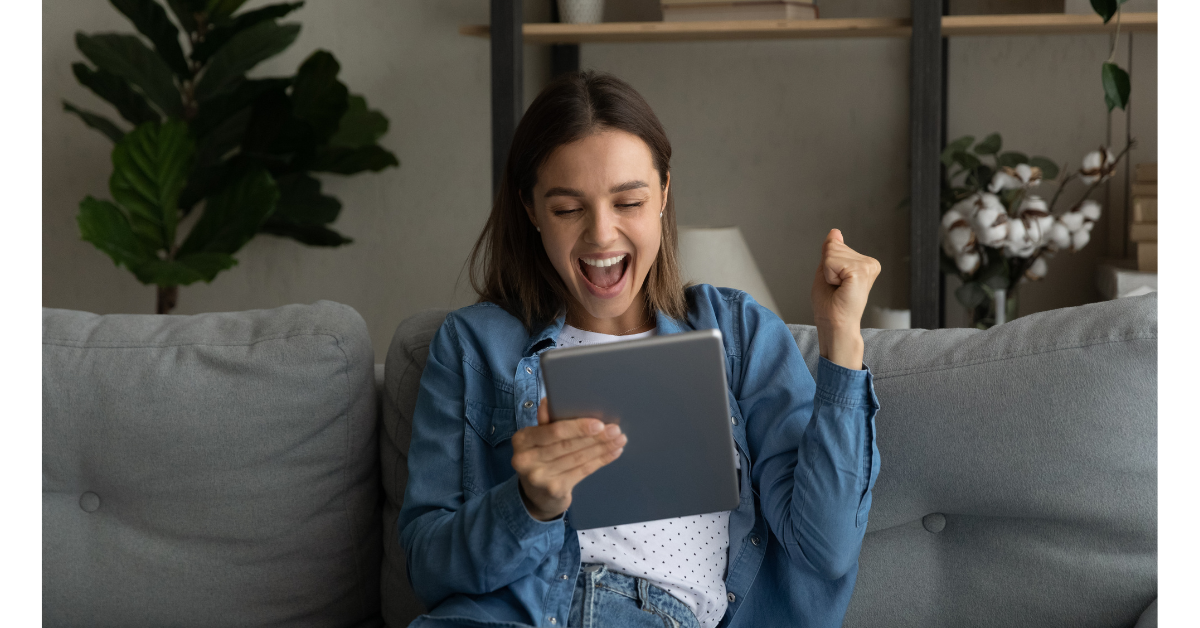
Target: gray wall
x,y
784,138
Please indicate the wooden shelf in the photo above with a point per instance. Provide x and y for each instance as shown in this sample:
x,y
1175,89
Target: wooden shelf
x,y
954,25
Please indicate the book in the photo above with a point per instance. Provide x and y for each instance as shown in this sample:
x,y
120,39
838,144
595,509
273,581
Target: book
x,y
1145,209
1147,256
730,10
1143,189
1143,231
1146,173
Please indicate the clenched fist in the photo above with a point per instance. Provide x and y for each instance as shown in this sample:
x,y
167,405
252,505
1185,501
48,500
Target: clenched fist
x,y
839,297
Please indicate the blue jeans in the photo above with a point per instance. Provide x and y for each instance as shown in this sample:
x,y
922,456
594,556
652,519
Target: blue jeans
x,y
606,599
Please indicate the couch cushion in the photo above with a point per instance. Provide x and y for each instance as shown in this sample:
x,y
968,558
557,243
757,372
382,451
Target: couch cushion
x,y
209,470
402,378
1018,484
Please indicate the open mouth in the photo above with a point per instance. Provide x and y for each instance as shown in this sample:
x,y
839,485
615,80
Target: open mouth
x,y
604,275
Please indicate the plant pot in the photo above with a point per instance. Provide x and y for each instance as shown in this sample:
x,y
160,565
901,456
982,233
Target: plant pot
x,y
581,11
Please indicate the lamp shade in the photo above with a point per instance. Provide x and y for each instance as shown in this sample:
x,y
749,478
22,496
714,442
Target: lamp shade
x,y
719,256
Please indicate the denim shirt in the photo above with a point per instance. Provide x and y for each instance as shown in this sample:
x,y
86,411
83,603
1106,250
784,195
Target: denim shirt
x,y
477,558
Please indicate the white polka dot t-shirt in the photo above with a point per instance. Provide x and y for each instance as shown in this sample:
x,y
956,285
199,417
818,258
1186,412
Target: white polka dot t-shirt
x,y
684,556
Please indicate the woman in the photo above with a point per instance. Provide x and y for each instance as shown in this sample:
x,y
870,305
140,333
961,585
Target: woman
x,y
580,248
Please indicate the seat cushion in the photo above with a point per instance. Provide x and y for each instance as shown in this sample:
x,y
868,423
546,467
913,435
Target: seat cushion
x,y
210,470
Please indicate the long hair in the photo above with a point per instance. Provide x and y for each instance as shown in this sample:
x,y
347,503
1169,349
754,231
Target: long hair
x,y
508,264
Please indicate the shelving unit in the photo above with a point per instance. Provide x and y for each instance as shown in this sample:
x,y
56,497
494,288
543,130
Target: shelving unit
x,y
952,26
928,31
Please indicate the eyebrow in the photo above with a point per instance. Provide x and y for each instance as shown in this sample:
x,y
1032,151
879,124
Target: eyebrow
x,y
624,187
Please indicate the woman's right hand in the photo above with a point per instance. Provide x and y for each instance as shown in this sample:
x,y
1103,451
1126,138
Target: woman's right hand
x,y
551,458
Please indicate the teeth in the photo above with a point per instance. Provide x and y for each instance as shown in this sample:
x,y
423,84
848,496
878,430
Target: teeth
x,y
603,263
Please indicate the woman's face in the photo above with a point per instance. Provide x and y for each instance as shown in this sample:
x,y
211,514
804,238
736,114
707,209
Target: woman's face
x,y
597,202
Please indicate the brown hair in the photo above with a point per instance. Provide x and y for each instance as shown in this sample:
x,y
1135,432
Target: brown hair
x,y
509,265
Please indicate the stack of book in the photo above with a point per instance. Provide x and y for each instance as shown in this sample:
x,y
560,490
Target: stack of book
x,y
722,10
1143,230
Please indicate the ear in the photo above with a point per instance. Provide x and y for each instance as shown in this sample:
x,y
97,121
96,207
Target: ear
x,y
666,190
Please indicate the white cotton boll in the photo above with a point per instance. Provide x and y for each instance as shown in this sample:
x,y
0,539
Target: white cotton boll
x,y
1004,181
991,225
1080,238
1060,235
968,262
950,217
1029,175
1073,220
1037,270
960,237
1033,203
1037,219
1016,232
1090,209
1098,164
992,201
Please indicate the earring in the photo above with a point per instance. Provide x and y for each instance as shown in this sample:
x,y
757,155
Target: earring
x,y
660,214
539,229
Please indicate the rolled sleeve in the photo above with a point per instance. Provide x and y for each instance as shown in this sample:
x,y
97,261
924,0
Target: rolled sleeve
x,y
842,386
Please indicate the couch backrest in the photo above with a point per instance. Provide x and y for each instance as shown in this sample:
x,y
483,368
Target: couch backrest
x,y
1018,480
210,470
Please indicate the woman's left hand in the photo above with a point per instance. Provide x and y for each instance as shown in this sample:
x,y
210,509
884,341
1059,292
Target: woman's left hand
x,y
839,297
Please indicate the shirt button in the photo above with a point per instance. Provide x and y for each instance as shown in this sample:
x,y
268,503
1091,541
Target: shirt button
x,y
732,598
553,620
754,540
494,431
528,404
734,419
563,577
529,370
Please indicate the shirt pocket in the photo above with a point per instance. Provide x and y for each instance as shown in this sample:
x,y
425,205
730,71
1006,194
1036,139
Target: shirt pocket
x,y
487,446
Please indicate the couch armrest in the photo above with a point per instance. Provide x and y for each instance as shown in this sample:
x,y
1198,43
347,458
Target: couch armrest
x,y
1149,618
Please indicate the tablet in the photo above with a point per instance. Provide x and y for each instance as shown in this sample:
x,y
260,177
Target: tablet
x,y
670,397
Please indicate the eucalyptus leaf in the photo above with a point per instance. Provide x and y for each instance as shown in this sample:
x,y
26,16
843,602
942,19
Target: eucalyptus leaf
x,y
151,20
129,58
131,105
359,126
989,146
218,36
1049,168
150,168
957,146
1012,159
107,227
345,160
970,295
96,121
244,51
1116,86
318,98
233,215
301,201
966,160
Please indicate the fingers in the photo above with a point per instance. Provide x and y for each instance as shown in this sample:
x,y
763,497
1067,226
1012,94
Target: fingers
x,y
840,262
545,434
543,413
575,475
582,457
611,437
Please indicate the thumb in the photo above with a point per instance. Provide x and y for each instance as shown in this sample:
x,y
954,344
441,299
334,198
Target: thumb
x,y
835,235
543,415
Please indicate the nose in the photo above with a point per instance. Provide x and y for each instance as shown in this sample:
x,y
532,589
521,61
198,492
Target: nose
x,y
602,227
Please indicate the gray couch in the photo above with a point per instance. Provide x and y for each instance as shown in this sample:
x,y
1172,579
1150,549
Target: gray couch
x,y
245,469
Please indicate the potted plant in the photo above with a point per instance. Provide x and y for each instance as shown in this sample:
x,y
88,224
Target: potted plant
x,y
206,138
996,233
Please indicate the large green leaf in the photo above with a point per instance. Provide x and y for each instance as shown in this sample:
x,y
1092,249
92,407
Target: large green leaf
x,y
244,51
1116,85
241,95
989,146
96,121
129,58
185,11
131,105
968,161
1105,8
359,126
107,227
218,36
233,215
184,270
151,20
301,201
1049,168
318,98
221,9
222,140
150,168
345,160
312,235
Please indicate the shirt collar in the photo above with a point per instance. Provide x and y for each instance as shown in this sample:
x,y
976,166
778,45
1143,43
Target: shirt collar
x,y
665,325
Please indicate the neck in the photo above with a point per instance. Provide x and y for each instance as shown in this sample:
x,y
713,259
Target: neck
x,y
634,320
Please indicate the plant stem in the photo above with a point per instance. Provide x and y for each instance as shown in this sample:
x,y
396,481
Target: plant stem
x,y
167,297
1113,53
1059,191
